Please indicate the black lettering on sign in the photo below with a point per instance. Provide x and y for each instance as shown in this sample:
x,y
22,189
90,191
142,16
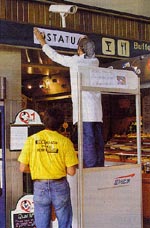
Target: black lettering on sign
x,y
23,220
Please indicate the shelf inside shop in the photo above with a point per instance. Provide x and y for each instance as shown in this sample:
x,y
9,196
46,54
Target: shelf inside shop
x,y
123,148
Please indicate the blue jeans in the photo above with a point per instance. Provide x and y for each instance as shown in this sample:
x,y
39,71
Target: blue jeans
x,y
93,144
56,193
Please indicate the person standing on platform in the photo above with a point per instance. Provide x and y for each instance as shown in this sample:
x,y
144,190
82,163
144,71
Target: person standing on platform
x,y
49,157
93,143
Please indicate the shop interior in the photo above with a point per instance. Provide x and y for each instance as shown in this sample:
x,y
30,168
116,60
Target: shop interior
x,y
45,83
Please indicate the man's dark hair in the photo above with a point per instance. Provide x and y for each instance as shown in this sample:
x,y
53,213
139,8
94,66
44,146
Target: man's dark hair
x,y
53,118
87,46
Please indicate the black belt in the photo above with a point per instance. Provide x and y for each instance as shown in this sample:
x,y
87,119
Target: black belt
x,y
46,180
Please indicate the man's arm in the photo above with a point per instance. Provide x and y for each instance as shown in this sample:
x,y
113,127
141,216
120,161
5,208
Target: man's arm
x,y
24,168
71,170
64,60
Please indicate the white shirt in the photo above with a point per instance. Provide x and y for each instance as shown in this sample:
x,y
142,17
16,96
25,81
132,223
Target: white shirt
x,y
91,103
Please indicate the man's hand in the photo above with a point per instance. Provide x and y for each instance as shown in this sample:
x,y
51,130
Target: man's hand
x,y
71,170
24,168
40,36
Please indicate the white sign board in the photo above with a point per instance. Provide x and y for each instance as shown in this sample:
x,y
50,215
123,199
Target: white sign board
x,y
27,122
18,135
27,116
112,79
59,38
23,215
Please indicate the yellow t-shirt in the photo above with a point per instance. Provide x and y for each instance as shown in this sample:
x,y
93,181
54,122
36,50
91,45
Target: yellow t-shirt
x,y
48,153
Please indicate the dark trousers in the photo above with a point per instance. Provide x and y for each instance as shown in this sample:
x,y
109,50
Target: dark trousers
x,y
93,144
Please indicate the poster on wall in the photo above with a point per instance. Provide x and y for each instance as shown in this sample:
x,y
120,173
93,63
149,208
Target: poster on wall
x,y
18,136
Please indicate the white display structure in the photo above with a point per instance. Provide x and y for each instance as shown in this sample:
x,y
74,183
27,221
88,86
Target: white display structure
x,y
108,197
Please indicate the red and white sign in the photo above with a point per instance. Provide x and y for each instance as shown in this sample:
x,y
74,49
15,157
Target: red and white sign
x,y
28,116
25,204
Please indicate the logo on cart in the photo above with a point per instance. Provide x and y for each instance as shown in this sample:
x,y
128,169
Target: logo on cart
x,y
123,180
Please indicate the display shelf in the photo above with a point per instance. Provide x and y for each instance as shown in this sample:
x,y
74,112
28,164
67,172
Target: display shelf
x,y
130,158
125,147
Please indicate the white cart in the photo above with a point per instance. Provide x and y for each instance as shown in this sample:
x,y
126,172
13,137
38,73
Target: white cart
x,y
108,197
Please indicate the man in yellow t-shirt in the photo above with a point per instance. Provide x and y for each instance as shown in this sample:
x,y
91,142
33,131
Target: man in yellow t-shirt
x,y
49,157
